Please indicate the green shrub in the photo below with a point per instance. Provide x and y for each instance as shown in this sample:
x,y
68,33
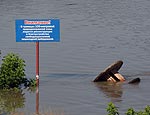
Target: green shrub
x,y
130,112
12,72
112,110
147,109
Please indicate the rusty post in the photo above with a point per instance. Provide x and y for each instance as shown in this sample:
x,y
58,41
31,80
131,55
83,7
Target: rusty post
x,y
37,77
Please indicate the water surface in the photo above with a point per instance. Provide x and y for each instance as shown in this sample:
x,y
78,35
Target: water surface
x,y
93,35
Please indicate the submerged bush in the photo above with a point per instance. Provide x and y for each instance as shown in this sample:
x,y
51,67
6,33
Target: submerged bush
x,y
131,111
12,72
112,110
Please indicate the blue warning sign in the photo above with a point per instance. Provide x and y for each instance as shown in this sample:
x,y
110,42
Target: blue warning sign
x,y
41,30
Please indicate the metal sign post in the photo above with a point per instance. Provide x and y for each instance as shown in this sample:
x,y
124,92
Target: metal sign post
x,y
37,30
37,77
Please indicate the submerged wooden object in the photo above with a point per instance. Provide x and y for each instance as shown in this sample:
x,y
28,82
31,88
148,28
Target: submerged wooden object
x,y
136,80
110,71
111,74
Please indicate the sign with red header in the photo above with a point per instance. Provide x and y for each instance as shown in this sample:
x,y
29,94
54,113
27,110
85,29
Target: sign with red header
x,y
41,30
37,30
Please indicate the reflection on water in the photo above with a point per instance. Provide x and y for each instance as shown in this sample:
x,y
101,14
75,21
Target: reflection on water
x,y
111,90
10,100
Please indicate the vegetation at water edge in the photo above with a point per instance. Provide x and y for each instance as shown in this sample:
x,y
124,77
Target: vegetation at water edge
x,y
112,110
12,72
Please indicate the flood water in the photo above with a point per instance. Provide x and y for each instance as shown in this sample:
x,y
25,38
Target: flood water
x,y
94,34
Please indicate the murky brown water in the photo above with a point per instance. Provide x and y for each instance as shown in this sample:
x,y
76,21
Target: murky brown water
x,y
93,35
